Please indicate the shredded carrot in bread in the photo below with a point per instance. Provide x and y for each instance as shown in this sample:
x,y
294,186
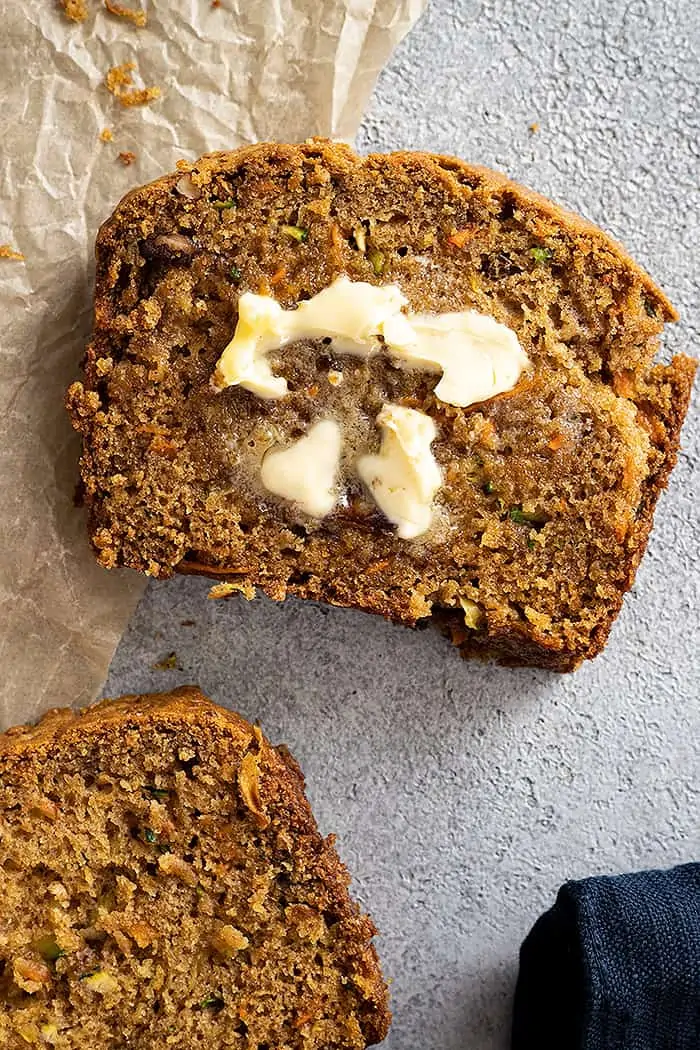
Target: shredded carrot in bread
x,y
556,442
278,275
119,81
378,566
623,383
136,16
8,252
460,237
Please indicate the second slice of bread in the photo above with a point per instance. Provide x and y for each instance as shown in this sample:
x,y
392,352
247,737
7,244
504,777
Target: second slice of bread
x,y
164,885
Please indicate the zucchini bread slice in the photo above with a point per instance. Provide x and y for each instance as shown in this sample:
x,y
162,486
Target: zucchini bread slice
x,y
164,884
229,328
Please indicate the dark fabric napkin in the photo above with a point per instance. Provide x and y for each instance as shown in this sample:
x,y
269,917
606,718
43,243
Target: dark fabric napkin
x,y
614,965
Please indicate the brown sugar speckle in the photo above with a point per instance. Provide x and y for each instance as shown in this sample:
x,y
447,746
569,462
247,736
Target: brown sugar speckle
x,y
106,135
119,80
138,17
76,10
8,252
127,157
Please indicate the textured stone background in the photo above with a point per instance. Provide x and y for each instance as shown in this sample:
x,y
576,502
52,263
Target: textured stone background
x,y
463,795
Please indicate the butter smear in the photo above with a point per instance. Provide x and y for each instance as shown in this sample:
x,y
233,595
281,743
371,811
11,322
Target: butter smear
x,y
478,356
404,476
306,471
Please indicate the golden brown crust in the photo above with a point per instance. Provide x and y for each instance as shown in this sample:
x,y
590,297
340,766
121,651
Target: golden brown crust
x,y
592,339
271,788
591,236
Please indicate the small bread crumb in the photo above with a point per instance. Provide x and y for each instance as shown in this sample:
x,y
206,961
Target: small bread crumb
x,y
139,18
76,10
534,127
127,157
106,135
216,3
8,252
225,590
119,80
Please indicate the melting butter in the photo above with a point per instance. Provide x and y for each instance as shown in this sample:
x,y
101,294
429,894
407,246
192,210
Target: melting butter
x,y
404,476
478,356
306,471
350,313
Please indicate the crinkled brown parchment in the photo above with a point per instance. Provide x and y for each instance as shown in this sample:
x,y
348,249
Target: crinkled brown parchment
x,y
228,75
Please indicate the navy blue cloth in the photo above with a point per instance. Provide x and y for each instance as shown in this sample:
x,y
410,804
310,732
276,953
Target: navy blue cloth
x,y
614,965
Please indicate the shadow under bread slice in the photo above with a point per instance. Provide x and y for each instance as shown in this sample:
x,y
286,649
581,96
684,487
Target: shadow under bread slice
x,y
164,884
529,480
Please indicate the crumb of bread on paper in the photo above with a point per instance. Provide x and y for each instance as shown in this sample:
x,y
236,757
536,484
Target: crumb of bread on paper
x,y
127,157
8,252
534,127
216,3
135,15
76,10
106,135
119,80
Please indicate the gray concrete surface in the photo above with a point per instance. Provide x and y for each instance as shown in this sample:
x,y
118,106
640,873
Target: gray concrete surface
x,y
463,795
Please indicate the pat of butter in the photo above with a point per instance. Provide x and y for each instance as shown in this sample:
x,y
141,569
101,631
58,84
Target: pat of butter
x,y
306,471
244,361
404,476
350,313
478,356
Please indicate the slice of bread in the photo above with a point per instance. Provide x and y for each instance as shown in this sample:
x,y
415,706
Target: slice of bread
x,y
547,490
164,885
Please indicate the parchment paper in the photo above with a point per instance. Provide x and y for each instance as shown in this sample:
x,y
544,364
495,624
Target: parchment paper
x,y
243,71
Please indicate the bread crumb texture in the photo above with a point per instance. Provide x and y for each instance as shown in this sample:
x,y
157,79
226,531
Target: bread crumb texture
x,y
75,10
135,15
119,82
78,11
164,885
548,490
8,252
